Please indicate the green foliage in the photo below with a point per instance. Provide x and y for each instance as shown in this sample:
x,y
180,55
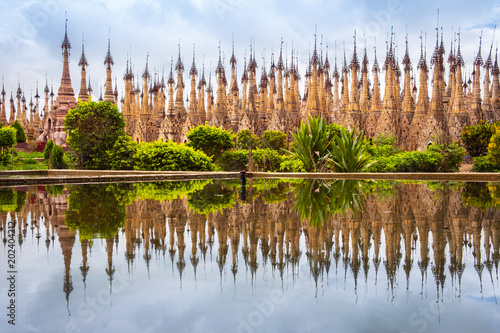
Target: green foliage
x,y
233,160
168,156
246,138
54,153
8,137
93,128
71,160
290,164
311,145
348,152
122,155
20,135
333,130
452,156
213,197
266,160
413,161
57,158
476,138
275,140
494,148
34,154
48,150
482,164
384,139
213,141
95,211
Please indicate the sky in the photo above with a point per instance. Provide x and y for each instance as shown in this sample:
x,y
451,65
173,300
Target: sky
x,y
31,33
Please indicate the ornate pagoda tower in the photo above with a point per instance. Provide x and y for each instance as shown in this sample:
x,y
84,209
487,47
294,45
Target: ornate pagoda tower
x,y
54,121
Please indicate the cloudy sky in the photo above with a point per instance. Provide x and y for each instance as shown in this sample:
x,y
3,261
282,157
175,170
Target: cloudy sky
x,y
31,32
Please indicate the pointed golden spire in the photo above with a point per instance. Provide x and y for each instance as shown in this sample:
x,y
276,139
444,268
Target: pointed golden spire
x,y
83,95
108,61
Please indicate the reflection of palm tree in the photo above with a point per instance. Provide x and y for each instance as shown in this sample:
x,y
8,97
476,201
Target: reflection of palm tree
x,y
316,198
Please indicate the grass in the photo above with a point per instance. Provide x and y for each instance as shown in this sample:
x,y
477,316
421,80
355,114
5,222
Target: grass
x,y
23,161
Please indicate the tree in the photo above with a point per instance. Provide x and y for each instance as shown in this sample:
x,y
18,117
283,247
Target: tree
x,y
20,135
246,139
211,140
93,128
7,137
275,140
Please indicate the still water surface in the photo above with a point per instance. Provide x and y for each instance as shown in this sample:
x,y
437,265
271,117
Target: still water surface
x,y
266,256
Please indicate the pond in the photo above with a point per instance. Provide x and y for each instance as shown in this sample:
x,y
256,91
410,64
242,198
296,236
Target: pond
x,y
262,256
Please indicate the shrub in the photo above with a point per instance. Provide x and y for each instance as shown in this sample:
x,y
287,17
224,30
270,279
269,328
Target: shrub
x,y
482,164
452,156
236,160
494,148
275,140
246,138
122,154
476,138
290,164
266,160
413,161
57,158
213,141
168,156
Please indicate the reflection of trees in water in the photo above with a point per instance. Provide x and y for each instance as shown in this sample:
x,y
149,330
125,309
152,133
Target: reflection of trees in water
x,y
412,229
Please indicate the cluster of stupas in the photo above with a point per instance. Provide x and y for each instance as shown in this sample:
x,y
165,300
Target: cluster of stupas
x,y
155,109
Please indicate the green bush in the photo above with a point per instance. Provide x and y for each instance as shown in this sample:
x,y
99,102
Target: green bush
x,y
482,164
233,160
122,154
290,164
246,138
453,156
168,156
20,135
7,137
413,161
57,158
213,141
476,138
275,140
494,148
266,160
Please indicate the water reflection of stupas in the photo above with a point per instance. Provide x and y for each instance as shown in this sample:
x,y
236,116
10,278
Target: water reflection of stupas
x,y
410,228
